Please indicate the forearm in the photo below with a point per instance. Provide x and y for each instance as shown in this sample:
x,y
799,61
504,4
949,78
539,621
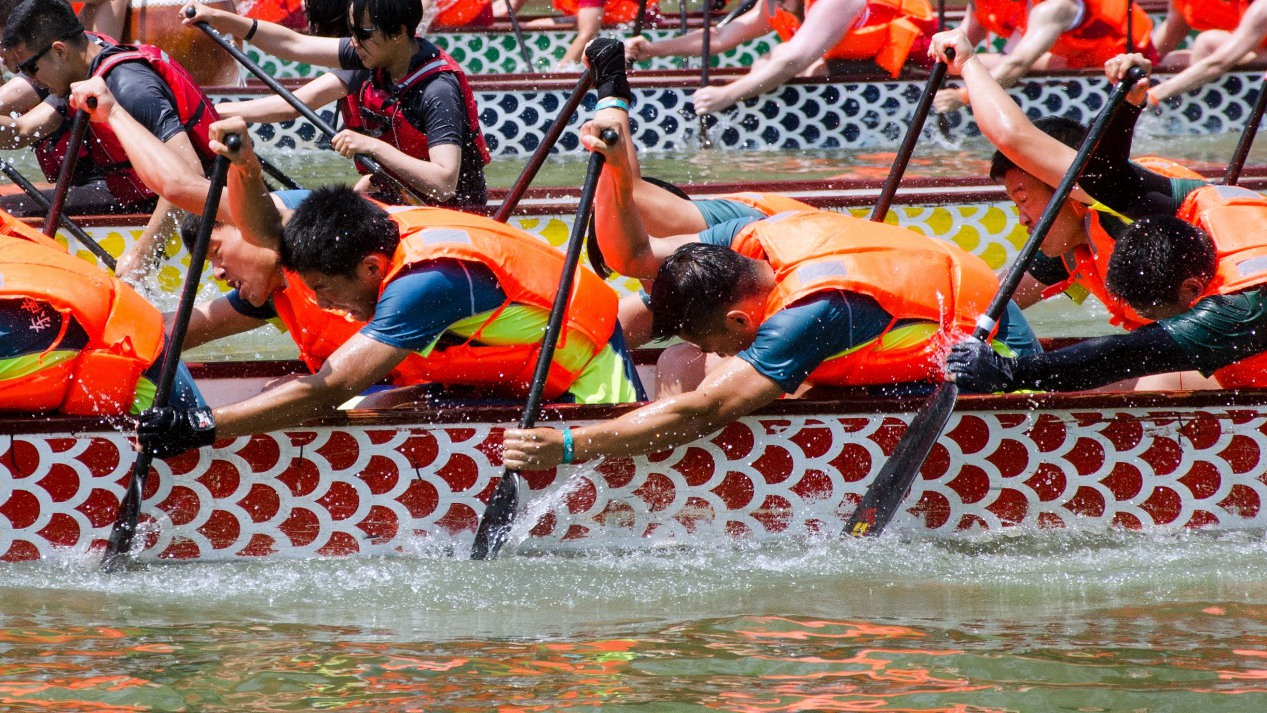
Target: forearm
x,y
267,110
1000,119
164,171
658,426
290,403
1113,180
1168,35
784,64
13,135
1197,74
1100,361
251,207
17,96
621,235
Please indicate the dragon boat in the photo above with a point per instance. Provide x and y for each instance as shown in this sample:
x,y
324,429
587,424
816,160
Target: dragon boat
x,y
415,482
973,213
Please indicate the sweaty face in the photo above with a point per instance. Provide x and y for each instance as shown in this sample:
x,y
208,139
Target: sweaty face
x,y
1031,197
44,65
367,41
356,294
251,270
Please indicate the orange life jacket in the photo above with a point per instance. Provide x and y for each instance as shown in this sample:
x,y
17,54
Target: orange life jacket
x,y
885,31
911,276
457,13
1202,15
1088,265
615,12
195,110
125,333
528,272
1234,218
768,203
320,332
1100,36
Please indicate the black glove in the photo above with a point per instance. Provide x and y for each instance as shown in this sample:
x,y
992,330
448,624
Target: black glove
x,y
975,366
607,62
170,431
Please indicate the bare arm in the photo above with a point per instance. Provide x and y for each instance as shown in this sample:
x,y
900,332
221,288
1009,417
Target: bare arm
x,y
435,177
17,96
1170,32
1002,121
272,38
825,23
25,130
268,110
1046,23
621,235
358,364
215,320
730,392
1248,35
748,26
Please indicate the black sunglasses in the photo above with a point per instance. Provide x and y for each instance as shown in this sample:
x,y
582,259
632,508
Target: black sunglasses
x,y
362,34
29,67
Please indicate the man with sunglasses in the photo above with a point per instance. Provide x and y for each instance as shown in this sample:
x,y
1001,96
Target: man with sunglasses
x,y
405,102
50,47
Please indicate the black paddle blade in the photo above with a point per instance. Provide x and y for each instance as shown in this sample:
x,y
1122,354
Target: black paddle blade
x,y
498,517
887,492
119,547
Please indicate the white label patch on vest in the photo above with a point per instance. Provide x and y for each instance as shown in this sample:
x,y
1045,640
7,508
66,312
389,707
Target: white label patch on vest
x,y
445,235
781,216
1253,266
821,270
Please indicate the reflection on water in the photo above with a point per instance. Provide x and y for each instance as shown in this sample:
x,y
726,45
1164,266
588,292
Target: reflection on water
x,y
1085,621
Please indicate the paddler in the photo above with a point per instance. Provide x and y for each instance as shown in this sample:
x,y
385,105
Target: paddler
x,y
819,37
802,297
406,103
48,44
1191,300
1050,34
74,339
262,292
470,295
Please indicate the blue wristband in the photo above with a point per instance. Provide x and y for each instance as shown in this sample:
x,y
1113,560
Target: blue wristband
x,y
568,446
612,103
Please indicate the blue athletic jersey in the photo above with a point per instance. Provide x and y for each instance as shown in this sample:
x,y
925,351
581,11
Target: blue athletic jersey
x,y
419,305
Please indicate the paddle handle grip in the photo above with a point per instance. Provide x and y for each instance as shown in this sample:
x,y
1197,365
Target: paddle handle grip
x,y
1026,256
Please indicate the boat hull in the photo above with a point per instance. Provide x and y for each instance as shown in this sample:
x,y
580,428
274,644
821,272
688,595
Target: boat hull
x,y
385,484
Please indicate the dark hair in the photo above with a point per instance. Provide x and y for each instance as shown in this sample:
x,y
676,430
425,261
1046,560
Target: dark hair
x,y
696,283
1152,258
391,17
327,18
6,9
39,23
189,227
334,229
1066,131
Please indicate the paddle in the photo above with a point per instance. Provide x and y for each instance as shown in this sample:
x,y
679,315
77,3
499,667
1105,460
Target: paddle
x,y
1233,173
640,21
516,192
907,148
705,62
886,493
78,126
495,526
743,7
39,198
121,534
519,35
366,162
286,181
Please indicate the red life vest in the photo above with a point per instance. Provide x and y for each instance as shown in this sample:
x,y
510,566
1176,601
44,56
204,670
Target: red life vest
x,y
125,333
911,276
1100,36
768,203
458,13
528,272
377,112
1202,15
320,332
615,12
1234,218
885,31
1088,265
192,106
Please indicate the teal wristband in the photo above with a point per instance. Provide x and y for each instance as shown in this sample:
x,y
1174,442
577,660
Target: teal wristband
x,y
612,103
568,446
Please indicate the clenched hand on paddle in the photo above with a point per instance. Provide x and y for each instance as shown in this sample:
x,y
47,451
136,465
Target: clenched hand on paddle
x,y
886,493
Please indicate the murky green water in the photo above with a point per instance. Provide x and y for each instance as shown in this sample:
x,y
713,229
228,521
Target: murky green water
x,y
1032,622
